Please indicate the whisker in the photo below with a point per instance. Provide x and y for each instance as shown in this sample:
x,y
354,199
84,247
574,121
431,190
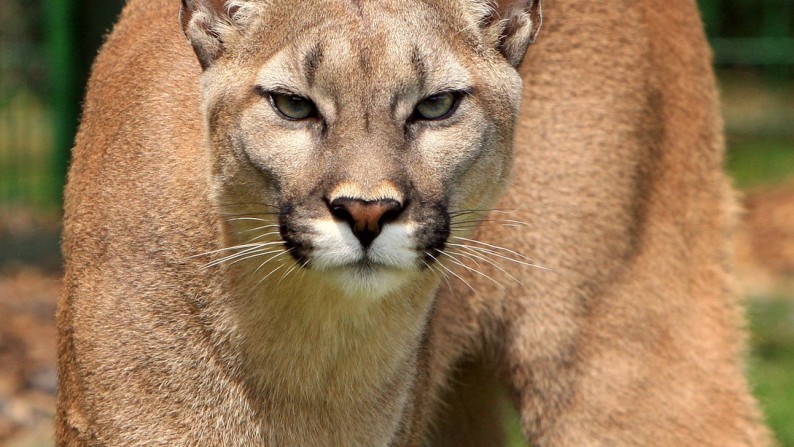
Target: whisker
x,y
291,269
253,248
268,275
263,227
488,210
482,250
430,267
266,261
474,256
238,257
304,268
454,214
457,252
497,221
252,219
262,236
495,247
514,210
235,247
452,258
450,271
439,271
486,225
248,204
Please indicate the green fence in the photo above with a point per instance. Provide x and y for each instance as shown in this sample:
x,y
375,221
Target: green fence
x,y
46,47
751,32
26,114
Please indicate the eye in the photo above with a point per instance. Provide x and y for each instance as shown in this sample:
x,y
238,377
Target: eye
x,y
436,107
293,107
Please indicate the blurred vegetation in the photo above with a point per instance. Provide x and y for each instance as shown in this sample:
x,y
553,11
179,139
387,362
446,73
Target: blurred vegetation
x,y
758,105
46,49
760,162
772,362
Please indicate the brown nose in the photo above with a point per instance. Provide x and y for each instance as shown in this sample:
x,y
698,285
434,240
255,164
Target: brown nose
x,y
365,217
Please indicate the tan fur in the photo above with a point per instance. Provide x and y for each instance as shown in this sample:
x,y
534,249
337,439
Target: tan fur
x,y
629,335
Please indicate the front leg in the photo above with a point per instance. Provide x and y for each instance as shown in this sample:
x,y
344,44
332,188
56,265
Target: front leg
x,y
627,372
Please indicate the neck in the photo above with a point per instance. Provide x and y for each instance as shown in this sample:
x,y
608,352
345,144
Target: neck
x,y
306,347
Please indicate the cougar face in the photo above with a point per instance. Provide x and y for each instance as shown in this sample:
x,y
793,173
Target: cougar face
x,y
359,144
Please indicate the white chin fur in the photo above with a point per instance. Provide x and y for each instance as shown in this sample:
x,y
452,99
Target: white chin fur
x,y
392,257
395,247
368,282
334,245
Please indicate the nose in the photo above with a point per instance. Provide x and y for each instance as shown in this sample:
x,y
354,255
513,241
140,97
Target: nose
x,y
366,217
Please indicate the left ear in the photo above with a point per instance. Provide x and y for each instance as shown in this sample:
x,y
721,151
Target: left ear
x,y
211,25
515,24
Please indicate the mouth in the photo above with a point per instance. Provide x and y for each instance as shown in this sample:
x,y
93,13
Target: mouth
x,y
325,244
329,248
368,261
336,250
367,265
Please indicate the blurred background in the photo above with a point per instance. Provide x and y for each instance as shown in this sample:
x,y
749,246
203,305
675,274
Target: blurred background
x,y
46,48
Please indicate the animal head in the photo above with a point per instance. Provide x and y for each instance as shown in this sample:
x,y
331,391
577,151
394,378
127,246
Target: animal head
x,y
361,133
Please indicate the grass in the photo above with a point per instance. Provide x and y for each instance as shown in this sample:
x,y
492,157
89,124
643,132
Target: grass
x,y
26,158
759,162
772,363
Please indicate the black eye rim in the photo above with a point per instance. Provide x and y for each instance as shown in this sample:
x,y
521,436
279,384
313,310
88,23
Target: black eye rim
x,y
457,97
271,97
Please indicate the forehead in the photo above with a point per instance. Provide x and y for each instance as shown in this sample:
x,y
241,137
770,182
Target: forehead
x,y
365,17
369,42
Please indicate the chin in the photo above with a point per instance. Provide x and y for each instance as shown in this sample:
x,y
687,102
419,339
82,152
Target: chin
x,y
369,282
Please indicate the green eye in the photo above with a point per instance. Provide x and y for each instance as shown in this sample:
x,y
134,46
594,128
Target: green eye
x,y
436,107
293,107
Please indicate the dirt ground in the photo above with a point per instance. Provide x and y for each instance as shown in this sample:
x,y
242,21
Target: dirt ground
x,y
28,296
29,288
28,380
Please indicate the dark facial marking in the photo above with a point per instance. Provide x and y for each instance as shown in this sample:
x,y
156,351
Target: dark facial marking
x,y
311,63
418,64
291,234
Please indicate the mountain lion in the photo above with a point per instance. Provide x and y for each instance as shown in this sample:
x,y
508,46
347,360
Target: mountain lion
x,y
285,227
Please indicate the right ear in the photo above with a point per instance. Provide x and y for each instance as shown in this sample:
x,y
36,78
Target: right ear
x,y
513,24
209,25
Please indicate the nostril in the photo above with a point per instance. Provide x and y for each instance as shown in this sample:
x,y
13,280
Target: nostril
x,y
391,211
365,217
341,212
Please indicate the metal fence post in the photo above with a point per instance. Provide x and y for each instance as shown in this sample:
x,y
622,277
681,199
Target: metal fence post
x,y
65,93
710,11
777,24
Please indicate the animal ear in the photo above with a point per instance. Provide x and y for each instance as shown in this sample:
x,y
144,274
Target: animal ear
x,y
209,25
514,24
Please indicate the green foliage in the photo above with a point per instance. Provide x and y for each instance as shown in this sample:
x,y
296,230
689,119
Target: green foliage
x,y
26,159
772,363
760,161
